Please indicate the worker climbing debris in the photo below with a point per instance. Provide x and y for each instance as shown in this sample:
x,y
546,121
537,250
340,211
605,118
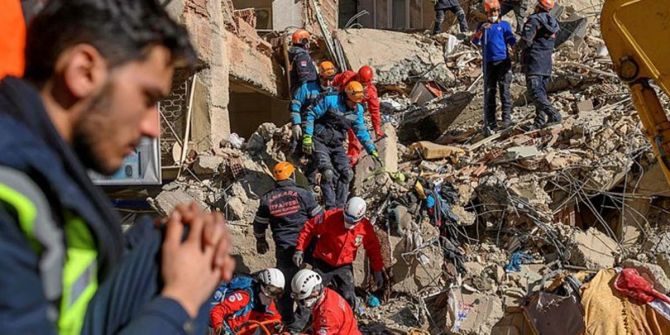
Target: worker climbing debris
x,y
331,314
441,8
325,132
536,47
496,38
340,233
285,209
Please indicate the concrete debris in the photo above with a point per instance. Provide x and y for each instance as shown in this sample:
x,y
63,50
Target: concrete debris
x,y
592,249
407,57
432,151
453,208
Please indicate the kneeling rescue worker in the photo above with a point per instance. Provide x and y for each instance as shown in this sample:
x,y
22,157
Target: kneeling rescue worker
x,y
248,299
340,233
330,312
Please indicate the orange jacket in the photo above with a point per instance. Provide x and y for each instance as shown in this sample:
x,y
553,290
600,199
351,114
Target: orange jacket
x,y
235,302
333,315
12,38
337,245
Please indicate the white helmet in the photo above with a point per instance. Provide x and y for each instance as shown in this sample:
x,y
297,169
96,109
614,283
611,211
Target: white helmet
x,y
304,283
355,210
272,282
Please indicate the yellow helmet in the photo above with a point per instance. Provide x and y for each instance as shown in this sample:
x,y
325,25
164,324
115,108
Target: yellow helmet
x,y
327,69
283,171
354,91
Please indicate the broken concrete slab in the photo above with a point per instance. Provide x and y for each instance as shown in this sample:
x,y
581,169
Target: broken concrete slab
x,y
430,150
166,201
521,152
234,209
207,164
470,313
592,249
406,56
388,154
430,121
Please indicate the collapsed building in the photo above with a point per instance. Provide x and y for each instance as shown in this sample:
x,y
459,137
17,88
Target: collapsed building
x,y
526,231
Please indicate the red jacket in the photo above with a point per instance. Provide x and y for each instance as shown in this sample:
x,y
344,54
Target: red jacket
x,y
333,315
236,302
342,79
337,245
371,104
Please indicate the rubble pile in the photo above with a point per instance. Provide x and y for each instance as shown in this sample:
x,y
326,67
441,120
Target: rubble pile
x,y
482,235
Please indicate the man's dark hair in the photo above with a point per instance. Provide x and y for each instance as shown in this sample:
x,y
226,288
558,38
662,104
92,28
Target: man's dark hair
x,y
121,30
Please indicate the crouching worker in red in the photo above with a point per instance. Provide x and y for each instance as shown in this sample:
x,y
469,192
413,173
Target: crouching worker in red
x,y
330,312
247,301
341,232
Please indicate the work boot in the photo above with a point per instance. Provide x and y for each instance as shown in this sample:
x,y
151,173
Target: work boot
x,y
531,127
486,131
507,123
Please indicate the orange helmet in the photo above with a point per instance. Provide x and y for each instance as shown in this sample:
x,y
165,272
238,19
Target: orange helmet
x,y
546,4
300,36
327,69
365,74
354,91
491,4
283,171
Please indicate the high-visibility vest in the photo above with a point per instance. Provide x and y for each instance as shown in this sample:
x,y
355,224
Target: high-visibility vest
x,y
68,252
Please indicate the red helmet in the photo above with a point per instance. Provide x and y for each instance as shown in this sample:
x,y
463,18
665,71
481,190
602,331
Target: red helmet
x,y
365,74
546,4
300,36
491,4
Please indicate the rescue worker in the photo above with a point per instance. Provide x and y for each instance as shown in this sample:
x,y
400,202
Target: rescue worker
x,y
254,300
341,232
285,209
303,81
520,8
441,8
536,46
327,73
371,105
325,131
331,314
495,37
89,95
343,78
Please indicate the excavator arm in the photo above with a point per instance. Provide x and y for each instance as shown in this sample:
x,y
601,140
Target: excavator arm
x,y
636,33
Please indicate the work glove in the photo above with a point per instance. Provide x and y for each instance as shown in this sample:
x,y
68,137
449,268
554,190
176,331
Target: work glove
x,y
379,279
375,157
262,246
297,132
297,258
307,144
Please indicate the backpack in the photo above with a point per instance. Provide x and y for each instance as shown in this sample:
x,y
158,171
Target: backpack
x,y
225,290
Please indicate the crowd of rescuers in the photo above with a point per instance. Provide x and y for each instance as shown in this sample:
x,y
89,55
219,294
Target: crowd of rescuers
x,y
327,115
81,98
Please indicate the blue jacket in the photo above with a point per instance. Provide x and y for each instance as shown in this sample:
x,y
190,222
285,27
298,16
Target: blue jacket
x,y
537,43
494,41
285,209
32,148
330,118
303,96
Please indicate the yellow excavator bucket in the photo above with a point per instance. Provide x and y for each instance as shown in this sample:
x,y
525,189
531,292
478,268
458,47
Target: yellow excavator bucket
x,y
636,33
